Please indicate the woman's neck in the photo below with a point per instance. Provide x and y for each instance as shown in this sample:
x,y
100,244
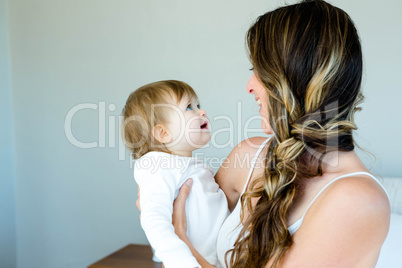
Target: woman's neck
x,y
342,162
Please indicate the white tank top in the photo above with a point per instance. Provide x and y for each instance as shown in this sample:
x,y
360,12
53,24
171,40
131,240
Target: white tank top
x,y
231,228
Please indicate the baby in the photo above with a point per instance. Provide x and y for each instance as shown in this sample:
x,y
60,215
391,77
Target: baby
x,y
163,124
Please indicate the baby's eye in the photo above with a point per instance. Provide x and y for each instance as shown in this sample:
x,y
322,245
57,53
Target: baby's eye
x,y
198,106
189,107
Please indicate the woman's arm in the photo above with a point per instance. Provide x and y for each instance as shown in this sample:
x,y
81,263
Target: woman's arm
x,y
232,174
231,178
345,227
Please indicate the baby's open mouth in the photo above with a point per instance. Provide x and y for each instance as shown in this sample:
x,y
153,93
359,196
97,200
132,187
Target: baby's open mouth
x,y
204,126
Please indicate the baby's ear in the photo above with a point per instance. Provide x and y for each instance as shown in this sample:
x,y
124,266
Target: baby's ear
x,y
161,134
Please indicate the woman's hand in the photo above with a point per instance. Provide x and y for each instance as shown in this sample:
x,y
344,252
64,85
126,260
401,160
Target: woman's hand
x,y
137,203
179,219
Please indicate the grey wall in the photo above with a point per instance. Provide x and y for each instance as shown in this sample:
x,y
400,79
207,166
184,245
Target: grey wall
x,y
75,205
7,190
380,121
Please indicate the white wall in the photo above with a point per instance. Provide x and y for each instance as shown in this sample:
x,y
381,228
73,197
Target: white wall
x,y
74,206
7,189
380,121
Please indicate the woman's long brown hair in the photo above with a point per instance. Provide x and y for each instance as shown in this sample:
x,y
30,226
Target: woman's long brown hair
x,y
308,57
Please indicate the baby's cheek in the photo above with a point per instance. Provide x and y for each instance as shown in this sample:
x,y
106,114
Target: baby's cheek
x,y
190,122
194,125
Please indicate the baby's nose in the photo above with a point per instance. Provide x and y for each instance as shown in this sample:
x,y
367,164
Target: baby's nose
x,y
202,112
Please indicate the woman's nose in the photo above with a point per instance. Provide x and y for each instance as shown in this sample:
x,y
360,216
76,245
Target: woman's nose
x,y
249,86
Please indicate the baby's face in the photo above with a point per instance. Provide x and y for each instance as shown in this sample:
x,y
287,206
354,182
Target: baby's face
x,y
189,126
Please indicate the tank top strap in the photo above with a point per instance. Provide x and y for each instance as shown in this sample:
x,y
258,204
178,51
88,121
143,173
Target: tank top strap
x,y
341,177
295,226
253,161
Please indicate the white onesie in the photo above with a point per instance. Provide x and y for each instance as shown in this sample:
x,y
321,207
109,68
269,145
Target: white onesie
x,y
160,176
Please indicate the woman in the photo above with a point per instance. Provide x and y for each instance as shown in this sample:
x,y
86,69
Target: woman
x,y
312,203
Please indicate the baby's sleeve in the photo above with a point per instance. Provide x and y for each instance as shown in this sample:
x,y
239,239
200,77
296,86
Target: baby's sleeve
x,y
157,193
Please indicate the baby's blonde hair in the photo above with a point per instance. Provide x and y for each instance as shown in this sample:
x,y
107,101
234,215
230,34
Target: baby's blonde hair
x,y
140,115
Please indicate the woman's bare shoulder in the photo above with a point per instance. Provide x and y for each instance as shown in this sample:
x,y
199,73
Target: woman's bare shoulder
x,y
350,219
359,196
233,172
239,159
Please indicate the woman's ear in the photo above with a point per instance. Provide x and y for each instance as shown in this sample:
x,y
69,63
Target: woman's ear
x,y
161,134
